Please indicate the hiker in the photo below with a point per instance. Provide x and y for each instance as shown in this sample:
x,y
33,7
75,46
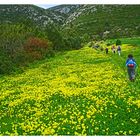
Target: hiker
x,y
101,48
131,65
119,50
96,46
106,50
113,49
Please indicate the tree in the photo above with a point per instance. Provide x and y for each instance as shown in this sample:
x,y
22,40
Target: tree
x,y
118,42
55,37
85,38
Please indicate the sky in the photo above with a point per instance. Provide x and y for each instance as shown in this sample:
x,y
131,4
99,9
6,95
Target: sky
x,y
46,6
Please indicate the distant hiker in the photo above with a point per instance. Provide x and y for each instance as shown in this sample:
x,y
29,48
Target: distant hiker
x,y
119,50
96,46
113,49
131,65
101,48
106,50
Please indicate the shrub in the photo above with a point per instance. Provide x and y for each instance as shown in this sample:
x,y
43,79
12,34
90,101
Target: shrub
x,y
55,37
118,42
36,48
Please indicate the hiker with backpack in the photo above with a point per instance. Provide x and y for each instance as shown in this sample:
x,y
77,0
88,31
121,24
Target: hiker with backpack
x,y
119,50
106,50
113,49
131,66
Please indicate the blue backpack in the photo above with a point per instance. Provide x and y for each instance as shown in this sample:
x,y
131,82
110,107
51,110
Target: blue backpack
x,y
131,64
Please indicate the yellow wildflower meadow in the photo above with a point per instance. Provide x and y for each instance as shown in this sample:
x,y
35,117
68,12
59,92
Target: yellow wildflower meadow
x,y
81,92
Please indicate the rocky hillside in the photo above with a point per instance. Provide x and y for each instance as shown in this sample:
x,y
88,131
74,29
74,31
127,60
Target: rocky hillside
x,y
62,12
105,21
28,14
31,14
96,21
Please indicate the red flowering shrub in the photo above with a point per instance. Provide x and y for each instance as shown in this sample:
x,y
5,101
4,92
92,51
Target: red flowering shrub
x,y
36,48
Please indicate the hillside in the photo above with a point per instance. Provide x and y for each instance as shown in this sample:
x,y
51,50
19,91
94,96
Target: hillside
x,y
79,92
31,14
27,14
97,21
62,10
29,33
63,27
105,21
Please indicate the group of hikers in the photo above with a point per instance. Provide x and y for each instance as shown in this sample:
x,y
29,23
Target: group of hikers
x,y
130,62
114,49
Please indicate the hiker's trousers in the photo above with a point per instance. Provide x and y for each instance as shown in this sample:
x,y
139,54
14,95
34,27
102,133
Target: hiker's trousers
x,y
131,73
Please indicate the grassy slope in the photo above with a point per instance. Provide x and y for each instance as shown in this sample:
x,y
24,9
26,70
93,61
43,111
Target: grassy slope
x,y
82,92
135,41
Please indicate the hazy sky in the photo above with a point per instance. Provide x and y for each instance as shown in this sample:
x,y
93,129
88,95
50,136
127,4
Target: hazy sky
x,y
46,6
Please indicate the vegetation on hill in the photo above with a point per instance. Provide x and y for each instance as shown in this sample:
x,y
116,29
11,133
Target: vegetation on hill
x,y
21,44
105,21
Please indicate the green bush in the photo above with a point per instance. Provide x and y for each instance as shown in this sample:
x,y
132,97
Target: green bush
x,y
118,42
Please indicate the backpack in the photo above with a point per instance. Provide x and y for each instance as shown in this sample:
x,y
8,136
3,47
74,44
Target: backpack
x,y
119,48
131,64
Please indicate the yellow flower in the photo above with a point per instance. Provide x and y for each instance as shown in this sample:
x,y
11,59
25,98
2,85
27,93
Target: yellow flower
x,y
130,131
76,133
48,131
116,133
88,116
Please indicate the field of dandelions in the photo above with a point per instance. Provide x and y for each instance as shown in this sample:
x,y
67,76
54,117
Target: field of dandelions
x,y
79,92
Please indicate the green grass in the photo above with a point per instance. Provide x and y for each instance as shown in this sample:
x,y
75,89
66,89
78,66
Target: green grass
x,y
80,92
134,41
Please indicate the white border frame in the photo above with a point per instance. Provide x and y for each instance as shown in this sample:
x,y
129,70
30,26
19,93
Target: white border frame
x,y
69,1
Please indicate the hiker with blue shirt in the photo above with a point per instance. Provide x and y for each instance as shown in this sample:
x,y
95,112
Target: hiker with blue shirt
x,y
131,66
119,50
